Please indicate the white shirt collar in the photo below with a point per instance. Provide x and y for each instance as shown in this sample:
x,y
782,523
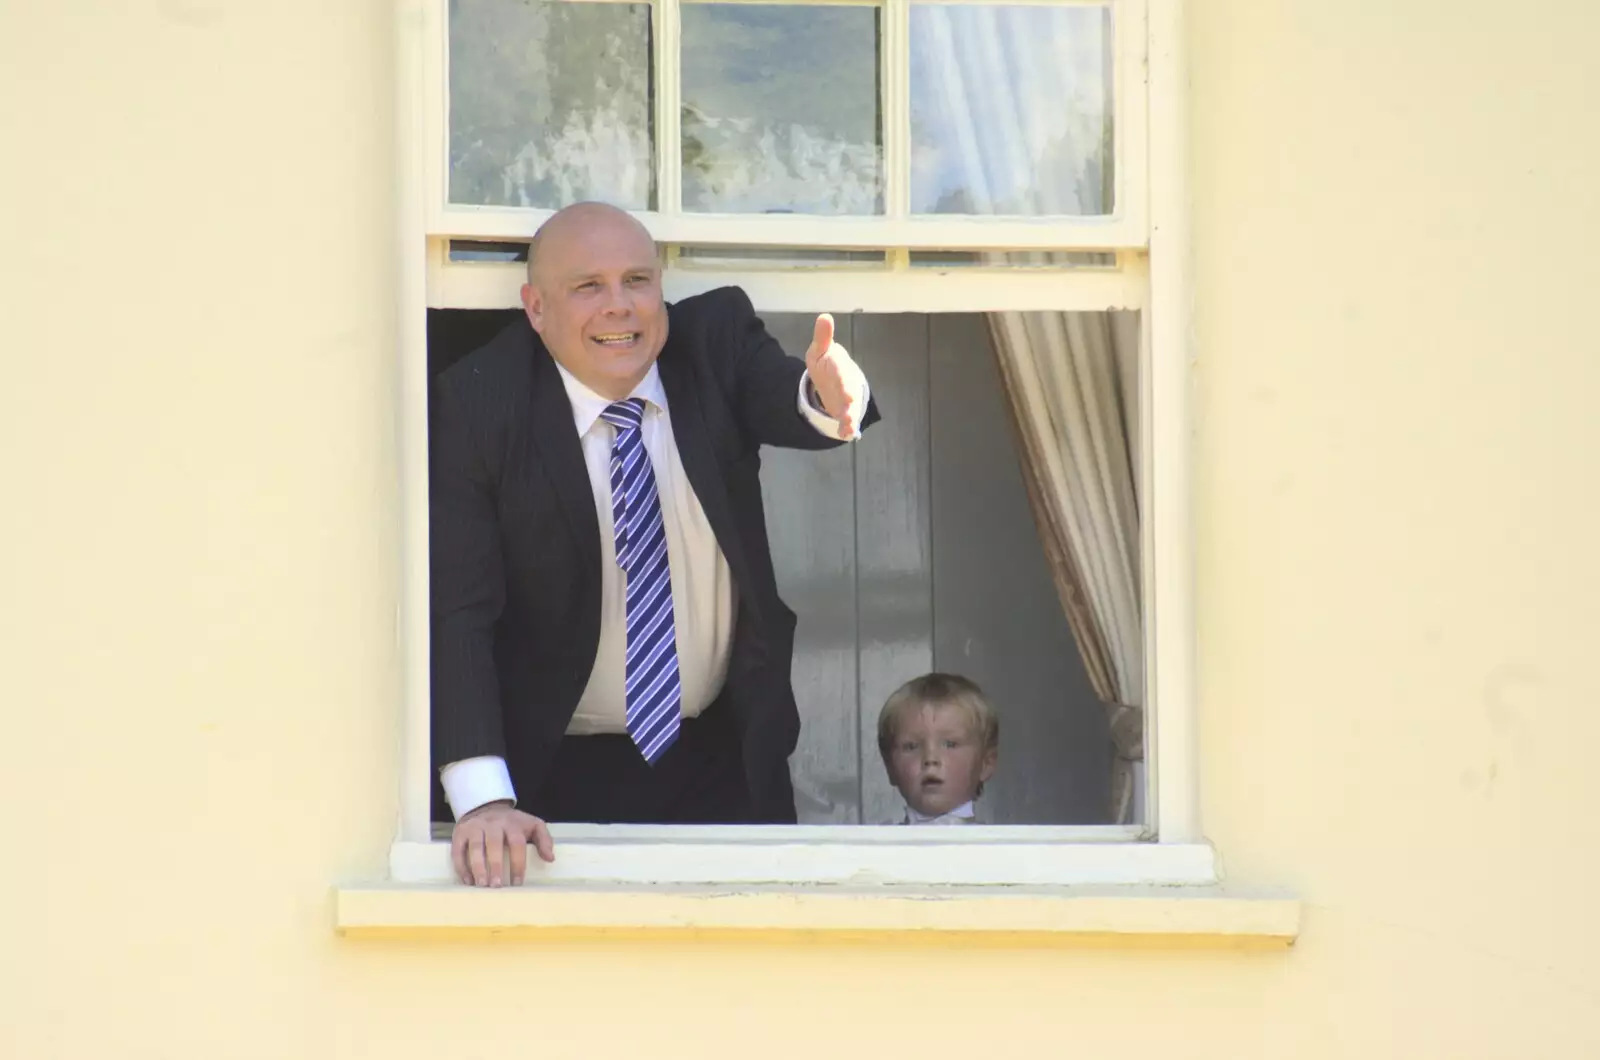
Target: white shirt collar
x,y
964,811
587,405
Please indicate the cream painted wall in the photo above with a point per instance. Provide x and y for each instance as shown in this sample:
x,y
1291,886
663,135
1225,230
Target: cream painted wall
x,y
1394,226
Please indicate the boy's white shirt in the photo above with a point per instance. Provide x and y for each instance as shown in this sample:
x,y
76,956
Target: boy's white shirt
x,y
962,814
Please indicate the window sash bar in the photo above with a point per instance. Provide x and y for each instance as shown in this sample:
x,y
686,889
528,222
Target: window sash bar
x,y
1130,122
434,145
960,289
895,93
805,230
668,90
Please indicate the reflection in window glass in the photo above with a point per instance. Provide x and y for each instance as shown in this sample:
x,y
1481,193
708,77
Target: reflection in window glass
x,y
780,257
1011,110
476,250
550,103
1015,259
780,109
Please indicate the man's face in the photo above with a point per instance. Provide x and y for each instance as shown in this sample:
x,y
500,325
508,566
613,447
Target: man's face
x,y
595,300
937,760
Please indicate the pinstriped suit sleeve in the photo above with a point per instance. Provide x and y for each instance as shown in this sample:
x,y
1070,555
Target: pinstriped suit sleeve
x,y
467,581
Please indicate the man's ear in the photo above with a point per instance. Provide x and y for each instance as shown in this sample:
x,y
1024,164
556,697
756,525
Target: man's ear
x,y
533,305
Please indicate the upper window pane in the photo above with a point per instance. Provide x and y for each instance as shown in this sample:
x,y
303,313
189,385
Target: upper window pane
x,y
780,109
1011,110
550,103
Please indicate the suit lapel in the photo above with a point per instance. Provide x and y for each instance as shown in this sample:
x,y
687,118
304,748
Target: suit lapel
x,y
561,455
695,452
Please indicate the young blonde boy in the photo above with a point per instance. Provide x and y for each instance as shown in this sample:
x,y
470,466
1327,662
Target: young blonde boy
x,y
940,740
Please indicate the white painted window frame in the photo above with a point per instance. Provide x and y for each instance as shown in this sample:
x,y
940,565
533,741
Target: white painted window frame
x,y
1169,848
1124,227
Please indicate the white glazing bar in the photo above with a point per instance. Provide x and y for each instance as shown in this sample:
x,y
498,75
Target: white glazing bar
x,y
1172,614
894,39
669,108
414,38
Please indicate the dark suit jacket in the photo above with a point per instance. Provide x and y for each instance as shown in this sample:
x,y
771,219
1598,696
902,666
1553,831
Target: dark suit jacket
x,y
516,547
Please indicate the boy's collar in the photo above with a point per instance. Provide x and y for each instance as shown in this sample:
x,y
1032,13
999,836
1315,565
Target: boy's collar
x,y
965,811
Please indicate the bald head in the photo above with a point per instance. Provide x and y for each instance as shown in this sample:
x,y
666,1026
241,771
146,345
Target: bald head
x,y
572,224
594,296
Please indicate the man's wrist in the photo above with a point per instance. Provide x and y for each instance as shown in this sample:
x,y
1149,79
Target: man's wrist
x,y
812,398
473,782
478,811
808,400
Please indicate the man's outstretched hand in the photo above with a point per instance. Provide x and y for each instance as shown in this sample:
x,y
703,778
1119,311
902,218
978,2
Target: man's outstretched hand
x,y
840,384
481,839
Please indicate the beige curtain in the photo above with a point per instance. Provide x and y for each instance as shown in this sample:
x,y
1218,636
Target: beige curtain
x,y
1010,115
1068,381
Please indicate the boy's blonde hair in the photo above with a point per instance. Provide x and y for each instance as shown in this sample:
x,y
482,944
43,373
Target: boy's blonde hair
x,y
939,690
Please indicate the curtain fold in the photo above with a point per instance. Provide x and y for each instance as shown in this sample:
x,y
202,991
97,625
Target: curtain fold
x,y
1071,415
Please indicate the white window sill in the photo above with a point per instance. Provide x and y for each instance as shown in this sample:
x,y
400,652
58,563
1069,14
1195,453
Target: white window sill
x,y
983,882
1169,916
820,854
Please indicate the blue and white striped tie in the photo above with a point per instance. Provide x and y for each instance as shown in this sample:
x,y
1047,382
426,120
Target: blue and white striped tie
x,y
654,691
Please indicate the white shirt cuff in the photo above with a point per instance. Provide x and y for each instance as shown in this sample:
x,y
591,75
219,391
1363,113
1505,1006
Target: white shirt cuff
x,y
472,782
825,424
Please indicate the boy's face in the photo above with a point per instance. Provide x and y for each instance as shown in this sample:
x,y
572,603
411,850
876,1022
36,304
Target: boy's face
x,y
937,760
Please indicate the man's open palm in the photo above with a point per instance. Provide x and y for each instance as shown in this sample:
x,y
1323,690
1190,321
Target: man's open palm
x,y
840,385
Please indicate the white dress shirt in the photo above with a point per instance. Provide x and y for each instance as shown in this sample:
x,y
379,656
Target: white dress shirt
x,y
703,599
